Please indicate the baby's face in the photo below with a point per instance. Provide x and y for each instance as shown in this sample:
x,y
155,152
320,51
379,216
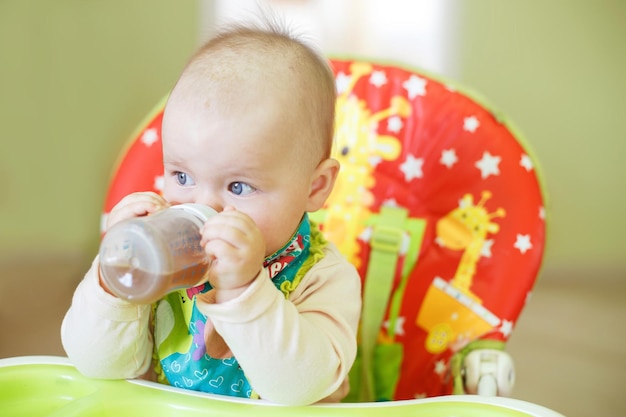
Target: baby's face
x,y
242,158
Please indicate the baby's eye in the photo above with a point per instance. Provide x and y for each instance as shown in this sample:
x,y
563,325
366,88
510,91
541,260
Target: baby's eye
x,y
184,179
240,188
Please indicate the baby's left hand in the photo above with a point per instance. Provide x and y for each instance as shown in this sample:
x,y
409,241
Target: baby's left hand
x,y
236,246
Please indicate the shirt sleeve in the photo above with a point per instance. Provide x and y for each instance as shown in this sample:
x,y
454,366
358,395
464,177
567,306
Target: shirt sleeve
x,y
104,336
297,350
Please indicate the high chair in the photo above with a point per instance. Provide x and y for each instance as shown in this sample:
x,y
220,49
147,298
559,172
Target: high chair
x,y
440,207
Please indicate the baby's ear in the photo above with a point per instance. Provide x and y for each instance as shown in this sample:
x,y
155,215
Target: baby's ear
x,y
322,182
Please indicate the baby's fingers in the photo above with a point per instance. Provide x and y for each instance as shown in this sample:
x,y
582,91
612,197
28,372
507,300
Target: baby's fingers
x,y
135,205
229,232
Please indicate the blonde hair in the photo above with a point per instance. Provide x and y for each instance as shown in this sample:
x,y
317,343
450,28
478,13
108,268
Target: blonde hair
x,y
271,54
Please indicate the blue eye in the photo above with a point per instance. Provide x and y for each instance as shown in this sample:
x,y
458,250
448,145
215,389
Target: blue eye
x,y
184,179
240,188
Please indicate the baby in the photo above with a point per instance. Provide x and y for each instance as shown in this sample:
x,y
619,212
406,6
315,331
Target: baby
x,y
247,130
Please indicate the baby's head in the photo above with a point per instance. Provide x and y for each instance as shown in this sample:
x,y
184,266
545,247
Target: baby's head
x,y
250,124
246,69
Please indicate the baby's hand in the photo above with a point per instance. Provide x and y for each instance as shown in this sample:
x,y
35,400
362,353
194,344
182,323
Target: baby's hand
x,y
236,246
135,205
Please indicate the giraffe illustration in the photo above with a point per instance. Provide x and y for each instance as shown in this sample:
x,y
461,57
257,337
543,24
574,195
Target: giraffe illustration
x,y
466,228
358,147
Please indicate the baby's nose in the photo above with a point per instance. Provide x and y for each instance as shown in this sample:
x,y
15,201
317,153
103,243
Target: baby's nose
x,y
212,201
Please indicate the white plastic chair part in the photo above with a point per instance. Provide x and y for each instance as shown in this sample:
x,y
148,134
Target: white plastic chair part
x,y
489,372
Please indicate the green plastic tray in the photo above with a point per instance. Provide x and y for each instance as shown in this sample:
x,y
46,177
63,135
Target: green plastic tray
x,y
50,386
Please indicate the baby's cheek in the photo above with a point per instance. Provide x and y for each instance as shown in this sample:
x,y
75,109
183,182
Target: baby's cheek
x,y
167,192
274,240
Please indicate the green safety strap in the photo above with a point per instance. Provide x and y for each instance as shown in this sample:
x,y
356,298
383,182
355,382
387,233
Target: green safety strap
x,y
388,232
416,228
456,362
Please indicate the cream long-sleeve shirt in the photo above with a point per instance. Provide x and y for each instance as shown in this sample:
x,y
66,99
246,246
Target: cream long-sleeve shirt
x,y
294,351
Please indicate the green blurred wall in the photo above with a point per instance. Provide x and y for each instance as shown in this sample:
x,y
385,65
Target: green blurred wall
x,y
558,69
76,77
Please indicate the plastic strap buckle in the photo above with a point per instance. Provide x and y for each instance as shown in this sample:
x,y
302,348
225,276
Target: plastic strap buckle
x,y
387,239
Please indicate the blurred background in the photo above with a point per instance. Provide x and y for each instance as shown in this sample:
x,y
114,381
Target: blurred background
x,y
77,77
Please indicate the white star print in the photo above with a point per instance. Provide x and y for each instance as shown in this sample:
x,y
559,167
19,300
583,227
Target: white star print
x,y
506,328
374,160
390,202
448,157
342,82
440,367
378,78
412,167
486,249
159,182
542,213
149,137
523,243
464,203
399,327
526,162
394,124
488,165
415,86
470,124
366,234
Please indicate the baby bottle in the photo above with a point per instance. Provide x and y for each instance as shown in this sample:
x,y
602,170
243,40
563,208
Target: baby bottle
x,y
144,258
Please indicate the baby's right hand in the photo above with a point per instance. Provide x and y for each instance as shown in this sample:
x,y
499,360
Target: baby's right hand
x,y
135,205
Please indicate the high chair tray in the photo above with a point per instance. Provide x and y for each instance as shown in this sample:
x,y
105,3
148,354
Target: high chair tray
x,y
50,386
